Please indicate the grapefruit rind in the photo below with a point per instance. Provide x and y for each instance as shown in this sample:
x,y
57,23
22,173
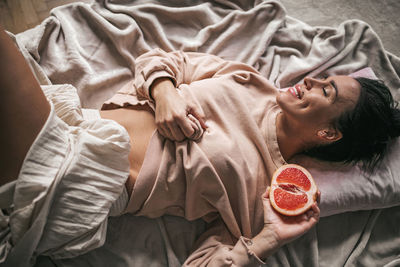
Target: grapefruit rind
x,y
298,191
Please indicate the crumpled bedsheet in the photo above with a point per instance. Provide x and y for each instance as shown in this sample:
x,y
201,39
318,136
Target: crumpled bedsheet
x,y
94,47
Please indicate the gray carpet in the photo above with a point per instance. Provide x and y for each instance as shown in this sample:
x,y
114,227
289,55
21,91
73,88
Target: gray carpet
x,y
382,15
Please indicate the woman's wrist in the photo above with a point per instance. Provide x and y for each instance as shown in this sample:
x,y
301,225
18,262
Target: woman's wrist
x,y
265,243
159,86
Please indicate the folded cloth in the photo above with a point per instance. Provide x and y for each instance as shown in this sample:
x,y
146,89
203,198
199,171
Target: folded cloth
x,y
120,204
73,173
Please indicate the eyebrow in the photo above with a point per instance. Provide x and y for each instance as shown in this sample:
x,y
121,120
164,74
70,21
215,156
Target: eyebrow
x,y
332,82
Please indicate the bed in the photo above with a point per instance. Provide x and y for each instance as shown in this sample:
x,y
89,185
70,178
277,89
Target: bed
x,y
94,46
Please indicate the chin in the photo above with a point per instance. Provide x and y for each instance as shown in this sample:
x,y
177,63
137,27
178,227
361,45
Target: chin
x,y
282,101
279,99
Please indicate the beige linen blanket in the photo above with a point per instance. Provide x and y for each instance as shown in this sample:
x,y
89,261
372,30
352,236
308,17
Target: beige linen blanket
x,y
94,47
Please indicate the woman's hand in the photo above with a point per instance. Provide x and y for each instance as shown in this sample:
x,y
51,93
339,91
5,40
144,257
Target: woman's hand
x,y
288,228
280,229
172,112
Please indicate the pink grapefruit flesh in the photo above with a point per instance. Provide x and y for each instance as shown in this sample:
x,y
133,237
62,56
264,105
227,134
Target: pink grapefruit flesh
x,y
293,190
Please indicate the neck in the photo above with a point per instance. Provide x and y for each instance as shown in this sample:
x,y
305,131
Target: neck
x,y
289,137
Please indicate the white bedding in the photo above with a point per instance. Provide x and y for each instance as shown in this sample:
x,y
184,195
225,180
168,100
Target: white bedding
x,y
94,48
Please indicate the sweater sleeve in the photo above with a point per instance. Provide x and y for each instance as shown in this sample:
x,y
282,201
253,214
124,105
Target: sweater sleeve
x,y
216,247
180,67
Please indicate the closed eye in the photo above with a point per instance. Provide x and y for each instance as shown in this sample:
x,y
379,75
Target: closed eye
x,y
324,90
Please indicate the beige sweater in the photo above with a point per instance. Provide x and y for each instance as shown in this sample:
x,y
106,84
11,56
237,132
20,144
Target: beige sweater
x,y
220,177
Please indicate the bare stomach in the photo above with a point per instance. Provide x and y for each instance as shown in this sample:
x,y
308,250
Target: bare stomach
x,y
140,125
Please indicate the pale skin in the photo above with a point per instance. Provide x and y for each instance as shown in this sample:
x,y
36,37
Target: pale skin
x,y
25,110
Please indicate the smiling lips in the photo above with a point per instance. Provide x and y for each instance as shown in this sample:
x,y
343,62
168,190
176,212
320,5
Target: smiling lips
x,y
295,91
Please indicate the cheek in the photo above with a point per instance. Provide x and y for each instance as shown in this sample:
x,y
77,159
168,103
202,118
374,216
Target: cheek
x,y
310,113
313,111
285,101
321,114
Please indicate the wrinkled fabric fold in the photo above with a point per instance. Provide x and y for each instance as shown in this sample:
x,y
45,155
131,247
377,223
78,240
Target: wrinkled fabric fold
x,y
71,176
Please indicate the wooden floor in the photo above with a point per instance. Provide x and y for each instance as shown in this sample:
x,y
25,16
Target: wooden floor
x,y
19,15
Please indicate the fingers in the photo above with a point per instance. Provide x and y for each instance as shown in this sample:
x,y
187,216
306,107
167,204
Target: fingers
x,y
178,118
266,195
199,115
268,209
265,199
179,128
175,132
316,210
309,214
313,213
187,126
161,131
171,131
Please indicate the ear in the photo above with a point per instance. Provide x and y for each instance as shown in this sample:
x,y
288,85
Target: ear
x,y
330,134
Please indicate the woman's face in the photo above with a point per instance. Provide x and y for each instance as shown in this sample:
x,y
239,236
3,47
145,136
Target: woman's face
x,y
317,103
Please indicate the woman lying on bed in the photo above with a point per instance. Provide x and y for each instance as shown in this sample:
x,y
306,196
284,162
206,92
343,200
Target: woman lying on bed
x,y
219,138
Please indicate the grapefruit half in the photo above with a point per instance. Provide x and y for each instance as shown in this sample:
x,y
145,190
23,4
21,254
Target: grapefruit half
x,y
292,190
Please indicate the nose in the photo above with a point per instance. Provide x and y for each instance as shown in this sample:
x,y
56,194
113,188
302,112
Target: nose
x,y
310,82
